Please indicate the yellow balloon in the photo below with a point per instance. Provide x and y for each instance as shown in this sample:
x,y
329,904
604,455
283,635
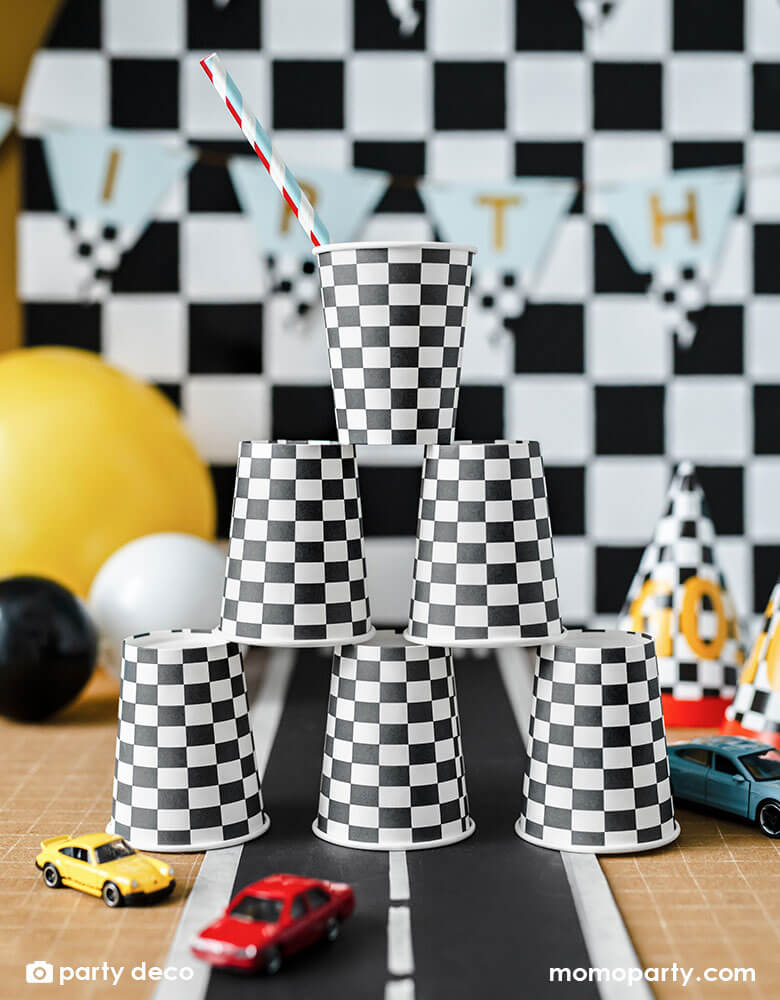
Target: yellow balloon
x,y
90,459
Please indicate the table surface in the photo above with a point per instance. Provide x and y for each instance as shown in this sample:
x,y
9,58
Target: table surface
x,y
709,900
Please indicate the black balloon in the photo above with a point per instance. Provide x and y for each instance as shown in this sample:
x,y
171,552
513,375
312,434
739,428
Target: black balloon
x,y
48,647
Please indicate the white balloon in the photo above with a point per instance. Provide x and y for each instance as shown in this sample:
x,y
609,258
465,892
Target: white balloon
x,y
162,581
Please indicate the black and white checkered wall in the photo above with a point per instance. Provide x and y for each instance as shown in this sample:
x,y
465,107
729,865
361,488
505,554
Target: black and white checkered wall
x,y
479,91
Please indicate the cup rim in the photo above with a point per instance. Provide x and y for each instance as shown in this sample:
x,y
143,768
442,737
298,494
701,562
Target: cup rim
x,y
497,442
387,244
595,638
177,639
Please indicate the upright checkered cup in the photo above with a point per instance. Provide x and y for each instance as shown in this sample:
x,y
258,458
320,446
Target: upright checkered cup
x,y
296,569
185,777
596,779
396,317
483,570
393,776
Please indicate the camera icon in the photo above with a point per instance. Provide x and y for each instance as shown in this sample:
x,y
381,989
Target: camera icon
x,y
39,972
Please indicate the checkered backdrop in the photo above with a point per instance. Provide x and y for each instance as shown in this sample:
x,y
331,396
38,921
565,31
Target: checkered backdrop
x,y
479,91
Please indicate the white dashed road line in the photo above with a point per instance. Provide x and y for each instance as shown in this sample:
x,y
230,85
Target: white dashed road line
x,y
400,954
399,877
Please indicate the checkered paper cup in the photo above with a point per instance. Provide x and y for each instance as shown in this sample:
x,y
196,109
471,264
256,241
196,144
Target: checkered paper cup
x,y
296,568
393,776
396,318
483,570
597,775
185,777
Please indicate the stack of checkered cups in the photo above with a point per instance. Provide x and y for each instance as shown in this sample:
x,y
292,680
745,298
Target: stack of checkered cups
x,y
393,772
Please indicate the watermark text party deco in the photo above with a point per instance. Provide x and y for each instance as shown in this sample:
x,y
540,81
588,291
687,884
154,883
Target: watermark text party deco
x,y
45,972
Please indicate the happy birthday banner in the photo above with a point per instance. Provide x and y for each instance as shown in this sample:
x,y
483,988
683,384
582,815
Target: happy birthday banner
x,y
108,183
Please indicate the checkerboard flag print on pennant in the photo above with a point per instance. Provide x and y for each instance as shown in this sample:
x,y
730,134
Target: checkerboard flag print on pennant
x,y
674,229
185,777
295,282
393,776
595,12
680,596
107,185
484,573
596,777
755,711
296,568
395,314
681,294
502,295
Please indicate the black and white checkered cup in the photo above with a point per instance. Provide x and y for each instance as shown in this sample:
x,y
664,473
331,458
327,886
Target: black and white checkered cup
x,y
597,774
393,775
396,318
483,570
185,777
296,568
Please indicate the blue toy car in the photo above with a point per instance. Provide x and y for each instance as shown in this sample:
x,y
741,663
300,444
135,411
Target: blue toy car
x,y
736,775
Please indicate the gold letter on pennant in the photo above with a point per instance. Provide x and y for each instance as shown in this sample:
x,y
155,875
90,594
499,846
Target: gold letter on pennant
x,y
287,212
112,169
499,203
689,216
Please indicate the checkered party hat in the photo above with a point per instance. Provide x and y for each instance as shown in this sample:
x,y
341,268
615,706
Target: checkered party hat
x,y
296,570
680,596
483,570
393,776
596,777
396,318
755,711
185,777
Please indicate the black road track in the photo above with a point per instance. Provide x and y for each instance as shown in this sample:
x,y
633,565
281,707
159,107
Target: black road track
x,y
489,916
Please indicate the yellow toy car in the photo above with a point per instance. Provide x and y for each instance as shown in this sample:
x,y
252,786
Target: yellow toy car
x,y
104,865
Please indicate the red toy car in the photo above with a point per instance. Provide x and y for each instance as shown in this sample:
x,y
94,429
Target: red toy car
x,y
273,918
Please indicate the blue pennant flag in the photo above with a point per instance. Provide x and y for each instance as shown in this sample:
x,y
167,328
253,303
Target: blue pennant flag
x,y
6,121
107,184
511,224
677,220
343,197
111,176
674,229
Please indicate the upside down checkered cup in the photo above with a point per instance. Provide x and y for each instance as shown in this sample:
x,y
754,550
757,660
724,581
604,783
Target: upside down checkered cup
x,y
483,570
393,776
597,775
185,777
296,569
396,318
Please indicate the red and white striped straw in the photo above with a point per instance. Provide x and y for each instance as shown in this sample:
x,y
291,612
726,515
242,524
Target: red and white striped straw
x,y
258,139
